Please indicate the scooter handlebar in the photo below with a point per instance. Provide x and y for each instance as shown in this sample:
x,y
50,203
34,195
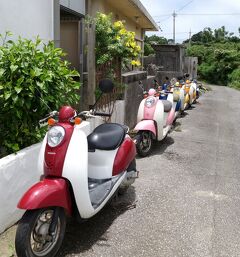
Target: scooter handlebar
x,y
101,114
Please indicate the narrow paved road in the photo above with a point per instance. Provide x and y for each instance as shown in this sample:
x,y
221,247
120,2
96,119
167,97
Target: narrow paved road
x,y
187,197
186,202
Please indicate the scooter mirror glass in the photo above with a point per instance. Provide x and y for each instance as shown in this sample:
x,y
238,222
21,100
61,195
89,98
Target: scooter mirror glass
x,y
106,86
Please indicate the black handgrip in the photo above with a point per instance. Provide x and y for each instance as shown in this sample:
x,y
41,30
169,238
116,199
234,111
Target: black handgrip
x,y
102,114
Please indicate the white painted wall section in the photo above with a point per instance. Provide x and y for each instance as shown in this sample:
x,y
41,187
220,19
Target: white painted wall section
x,y
28,18
118,115
17,173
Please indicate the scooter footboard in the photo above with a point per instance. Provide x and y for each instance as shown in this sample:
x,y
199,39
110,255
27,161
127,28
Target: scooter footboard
x,y
46,193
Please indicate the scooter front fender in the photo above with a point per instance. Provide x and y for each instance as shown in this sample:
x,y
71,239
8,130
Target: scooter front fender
x,y
146,125
46,193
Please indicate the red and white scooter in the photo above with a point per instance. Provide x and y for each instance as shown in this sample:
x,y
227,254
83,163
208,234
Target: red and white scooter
x,y
82,171
154,120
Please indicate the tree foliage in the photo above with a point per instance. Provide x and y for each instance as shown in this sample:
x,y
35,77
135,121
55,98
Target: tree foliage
x,y
208,36
33,80
152,40
218,54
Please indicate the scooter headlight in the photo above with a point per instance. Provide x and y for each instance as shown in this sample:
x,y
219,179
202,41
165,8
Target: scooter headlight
x,y
149,102
55,136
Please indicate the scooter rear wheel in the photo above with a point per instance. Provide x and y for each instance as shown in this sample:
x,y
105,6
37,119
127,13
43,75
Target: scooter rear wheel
x,y
144,144
33,236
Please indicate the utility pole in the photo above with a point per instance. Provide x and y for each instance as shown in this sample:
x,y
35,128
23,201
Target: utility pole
x,y
174,16
91,59
190,36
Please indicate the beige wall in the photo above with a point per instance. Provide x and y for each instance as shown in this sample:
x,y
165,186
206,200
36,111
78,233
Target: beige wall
x,y
101,6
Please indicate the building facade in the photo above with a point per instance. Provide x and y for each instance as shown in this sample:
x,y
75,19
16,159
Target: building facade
x,y
62,21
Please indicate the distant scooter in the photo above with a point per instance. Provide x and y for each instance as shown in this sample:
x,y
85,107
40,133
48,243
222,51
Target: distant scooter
x,y
82,170
195,90
188,93
176,97
154,121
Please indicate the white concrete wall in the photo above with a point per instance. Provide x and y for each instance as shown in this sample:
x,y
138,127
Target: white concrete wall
x,y
28,18
118,112
20,171
17,173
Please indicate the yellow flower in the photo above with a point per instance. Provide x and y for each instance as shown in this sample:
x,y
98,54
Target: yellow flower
x,y
103,16
135,63
132,35
118,25
133,44
138,63
122,31
138,48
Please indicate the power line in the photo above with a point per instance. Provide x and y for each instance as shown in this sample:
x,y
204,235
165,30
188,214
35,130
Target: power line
x,y
162,15
204,14
169,16
209,14
186,32
185,6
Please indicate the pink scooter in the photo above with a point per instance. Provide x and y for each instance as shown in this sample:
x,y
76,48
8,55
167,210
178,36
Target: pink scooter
x,y
154,121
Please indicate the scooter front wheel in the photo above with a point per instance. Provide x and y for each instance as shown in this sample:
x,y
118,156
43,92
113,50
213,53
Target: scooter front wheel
x,y
144,143
40,232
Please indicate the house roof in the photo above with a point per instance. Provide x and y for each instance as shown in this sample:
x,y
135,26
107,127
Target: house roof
x,y
134,10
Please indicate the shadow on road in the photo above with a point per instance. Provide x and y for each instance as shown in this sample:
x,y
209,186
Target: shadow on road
x,y
80,237
160,147
192,107
183,114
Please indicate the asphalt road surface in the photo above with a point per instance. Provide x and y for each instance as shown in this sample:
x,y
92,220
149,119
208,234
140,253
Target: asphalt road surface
x,y
186,202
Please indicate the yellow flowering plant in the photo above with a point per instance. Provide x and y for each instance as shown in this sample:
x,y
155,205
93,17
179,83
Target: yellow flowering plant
x,y
113,41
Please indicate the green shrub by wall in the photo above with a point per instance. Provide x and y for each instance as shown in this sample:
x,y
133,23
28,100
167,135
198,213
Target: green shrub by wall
x,y
34,80
234,78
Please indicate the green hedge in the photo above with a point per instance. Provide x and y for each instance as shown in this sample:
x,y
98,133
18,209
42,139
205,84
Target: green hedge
x,y
234,78
34,80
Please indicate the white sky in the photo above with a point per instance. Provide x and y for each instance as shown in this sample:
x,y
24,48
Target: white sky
x,y
195,23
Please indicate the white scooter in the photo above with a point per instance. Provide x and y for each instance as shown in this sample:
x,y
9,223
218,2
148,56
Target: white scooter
x,y
82,170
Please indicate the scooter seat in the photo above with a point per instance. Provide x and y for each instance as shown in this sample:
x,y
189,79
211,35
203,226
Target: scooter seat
x,y
108,136
167,105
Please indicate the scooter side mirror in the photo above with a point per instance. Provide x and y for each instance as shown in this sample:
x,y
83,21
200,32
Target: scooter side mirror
x,y
106,86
